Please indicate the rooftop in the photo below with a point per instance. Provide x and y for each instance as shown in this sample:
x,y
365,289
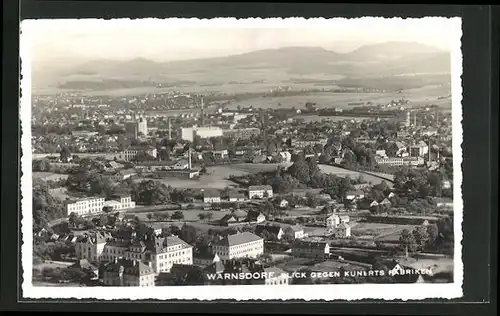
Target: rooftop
x,y
259,187
238,239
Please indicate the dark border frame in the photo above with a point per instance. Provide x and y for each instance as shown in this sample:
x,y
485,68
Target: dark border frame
x,y
479,167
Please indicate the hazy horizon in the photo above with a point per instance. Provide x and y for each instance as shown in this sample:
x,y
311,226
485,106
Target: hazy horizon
x,y
186,39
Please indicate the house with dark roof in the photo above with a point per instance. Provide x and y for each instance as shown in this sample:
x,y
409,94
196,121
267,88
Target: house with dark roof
x,y
355,195
269,230
239,217
204,258
295,232
239,245
310,249
234,196
211,196
125,272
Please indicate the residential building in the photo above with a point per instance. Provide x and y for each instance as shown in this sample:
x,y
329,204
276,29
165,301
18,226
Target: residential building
x,y
400,161
239,245
211,196
419,150
343,230
310,249
355,195
332,221
128,273
286,156
91,246
272,230
275,276
241,133
260,191
344,218
283,203
236,196
131,153
119,203
86,206
295,232
170,250
239,216
205,258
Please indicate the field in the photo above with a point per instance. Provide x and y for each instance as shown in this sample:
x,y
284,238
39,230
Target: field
x,y
217,176
378,231
49,175
352,174
419,96
189,215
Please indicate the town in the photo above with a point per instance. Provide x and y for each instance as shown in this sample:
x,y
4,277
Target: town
x,y
180,188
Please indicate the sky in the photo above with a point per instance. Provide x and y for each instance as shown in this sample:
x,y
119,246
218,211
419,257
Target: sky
x,y
179,39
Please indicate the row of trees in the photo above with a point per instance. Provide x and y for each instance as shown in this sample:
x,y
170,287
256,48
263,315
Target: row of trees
x,y
432,237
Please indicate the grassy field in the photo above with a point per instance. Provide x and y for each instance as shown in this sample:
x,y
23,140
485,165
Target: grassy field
x,y
378,231
217,176
352,174
189,215
420,96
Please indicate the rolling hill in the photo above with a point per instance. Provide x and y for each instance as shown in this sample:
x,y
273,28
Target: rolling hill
x,y
273,65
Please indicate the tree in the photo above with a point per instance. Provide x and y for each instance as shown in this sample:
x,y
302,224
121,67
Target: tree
x,y
209,216
407,241
433,233
149,216
421,236
202,216
65,154
178,215
72,219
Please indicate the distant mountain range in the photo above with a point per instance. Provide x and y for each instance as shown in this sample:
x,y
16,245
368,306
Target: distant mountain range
x,y
385,59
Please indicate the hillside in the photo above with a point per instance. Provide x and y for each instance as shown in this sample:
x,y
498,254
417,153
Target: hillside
x,y
273,66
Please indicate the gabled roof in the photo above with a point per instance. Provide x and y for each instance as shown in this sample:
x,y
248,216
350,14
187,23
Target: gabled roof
x,y
211,193
259,187
309,245
295,228
238,239
275,230
344,225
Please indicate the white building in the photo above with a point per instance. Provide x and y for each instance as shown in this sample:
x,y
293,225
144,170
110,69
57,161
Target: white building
x,y
128,273
332,221
130,153
208,131
187,133
343,230
286,156
240,245
295,232
168,251
120,203
275,276
86,206
211,196
142,126
260,191
91,246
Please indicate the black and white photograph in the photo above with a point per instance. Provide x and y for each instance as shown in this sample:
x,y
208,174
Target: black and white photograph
x,y
289,159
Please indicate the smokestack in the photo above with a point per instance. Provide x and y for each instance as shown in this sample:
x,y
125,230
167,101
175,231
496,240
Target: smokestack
x,y
429,149
202,114
415,119
189,158
169,129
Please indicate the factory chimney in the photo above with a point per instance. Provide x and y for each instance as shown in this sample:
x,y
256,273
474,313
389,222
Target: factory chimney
x,y
169,129
189,158
415,119
202,114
